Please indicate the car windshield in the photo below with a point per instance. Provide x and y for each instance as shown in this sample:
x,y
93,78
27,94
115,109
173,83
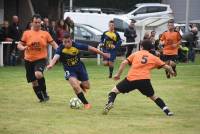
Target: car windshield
x,y
95,30
130,9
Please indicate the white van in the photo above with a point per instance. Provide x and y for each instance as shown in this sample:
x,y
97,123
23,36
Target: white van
x,y
100,21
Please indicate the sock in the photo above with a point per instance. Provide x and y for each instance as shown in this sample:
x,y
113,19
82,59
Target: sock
x,y
38,92
82,98
42,85
111,97
162,105
111,71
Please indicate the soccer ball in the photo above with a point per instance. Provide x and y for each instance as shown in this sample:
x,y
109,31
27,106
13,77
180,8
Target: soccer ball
x,y
75,103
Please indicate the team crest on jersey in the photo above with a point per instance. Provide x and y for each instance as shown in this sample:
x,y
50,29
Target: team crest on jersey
x,y
70,51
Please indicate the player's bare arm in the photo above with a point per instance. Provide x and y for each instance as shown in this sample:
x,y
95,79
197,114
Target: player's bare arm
x,y
54,44
121,69
53,61
93,49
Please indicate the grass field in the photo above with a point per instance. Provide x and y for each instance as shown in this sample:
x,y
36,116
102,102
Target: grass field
x,y
20,112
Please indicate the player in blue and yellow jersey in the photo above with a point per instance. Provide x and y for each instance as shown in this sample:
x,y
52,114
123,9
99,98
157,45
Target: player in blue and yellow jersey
x,y
75,71
110,42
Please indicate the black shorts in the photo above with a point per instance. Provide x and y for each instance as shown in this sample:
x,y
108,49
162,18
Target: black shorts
x,y
169,58
32,67
144,86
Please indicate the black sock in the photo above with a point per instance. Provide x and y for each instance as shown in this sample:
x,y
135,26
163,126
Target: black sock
x,y
42,85
111,70
111,97
38,92
162,105
82,98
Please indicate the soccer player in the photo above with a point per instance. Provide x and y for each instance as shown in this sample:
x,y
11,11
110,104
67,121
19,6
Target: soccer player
x,y
34,42
110,42
75,71
142,62
171,40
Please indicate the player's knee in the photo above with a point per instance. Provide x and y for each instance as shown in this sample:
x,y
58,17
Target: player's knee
x,y
86,86
105,64
38,75
115,90
173,64
153,97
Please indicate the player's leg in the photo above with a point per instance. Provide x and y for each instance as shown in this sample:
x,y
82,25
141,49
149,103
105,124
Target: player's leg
x,y
85,85
111,98
30,75
111,63
145,87
105,62
78,91
111,68
82,76
160,103
173,65
39,69
124,86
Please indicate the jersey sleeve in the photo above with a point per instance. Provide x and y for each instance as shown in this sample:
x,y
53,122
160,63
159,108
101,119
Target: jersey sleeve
x,y
49,38
119,40
81,46
130,58
163,37
59,50
158,62
24,37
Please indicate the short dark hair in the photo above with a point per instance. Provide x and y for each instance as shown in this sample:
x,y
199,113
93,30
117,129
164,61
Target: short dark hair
x,y
171,21
147,44
36,16
133,21
111,21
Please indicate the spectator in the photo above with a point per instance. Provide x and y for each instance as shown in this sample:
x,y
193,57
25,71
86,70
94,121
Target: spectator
x,y
191,38
53,27
153,37
70,25
29,25
4,36
15,33
61,30
130,34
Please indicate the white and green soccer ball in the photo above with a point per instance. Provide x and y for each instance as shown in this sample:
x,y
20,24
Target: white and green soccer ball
x,y
75,103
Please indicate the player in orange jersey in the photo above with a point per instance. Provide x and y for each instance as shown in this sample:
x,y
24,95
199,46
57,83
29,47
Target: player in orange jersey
x,y
171,40
34,43
142,62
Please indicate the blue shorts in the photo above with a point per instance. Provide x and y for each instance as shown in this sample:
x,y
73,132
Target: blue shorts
x,y
79,71
112,55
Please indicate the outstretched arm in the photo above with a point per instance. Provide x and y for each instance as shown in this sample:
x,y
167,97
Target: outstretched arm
x,y
53,61
95,50
121,69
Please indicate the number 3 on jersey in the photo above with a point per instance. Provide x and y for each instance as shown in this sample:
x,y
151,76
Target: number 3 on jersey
x,y
144,59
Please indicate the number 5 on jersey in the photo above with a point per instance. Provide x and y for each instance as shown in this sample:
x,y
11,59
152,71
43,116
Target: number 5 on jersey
x,y
144,59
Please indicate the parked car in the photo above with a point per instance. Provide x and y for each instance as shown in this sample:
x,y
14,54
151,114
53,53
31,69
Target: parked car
x,y
145,10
